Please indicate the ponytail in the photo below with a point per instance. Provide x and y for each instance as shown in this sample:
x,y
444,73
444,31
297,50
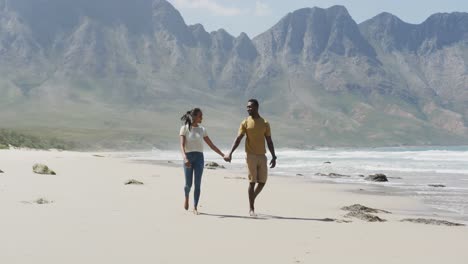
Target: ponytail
x,y
187,118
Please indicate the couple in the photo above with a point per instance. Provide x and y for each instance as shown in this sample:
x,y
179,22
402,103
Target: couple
x,y
257,131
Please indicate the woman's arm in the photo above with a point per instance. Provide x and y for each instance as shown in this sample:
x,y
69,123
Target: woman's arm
x,y
182,148
212,146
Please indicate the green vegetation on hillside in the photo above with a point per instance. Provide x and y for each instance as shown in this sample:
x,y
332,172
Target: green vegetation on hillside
x,y
19,140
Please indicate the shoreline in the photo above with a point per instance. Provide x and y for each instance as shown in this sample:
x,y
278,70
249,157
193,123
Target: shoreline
x,y
355,187
372,189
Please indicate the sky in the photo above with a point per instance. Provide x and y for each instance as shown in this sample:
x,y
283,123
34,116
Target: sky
x,y
256,16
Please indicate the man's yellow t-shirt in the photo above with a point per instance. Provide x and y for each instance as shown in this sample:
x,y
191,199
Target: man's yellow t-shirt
x,y
256,131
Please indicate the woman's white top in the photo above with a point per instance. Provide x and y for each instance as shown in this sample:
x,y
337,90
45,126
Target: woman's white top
x,y
193,138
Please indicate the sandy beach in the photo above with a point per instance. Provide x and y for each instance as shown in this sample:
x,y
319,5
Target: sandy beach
x,y
93,217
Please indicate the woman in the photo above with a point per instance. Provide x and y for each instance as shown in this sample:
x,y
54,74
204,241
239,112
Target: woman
x,y
192,135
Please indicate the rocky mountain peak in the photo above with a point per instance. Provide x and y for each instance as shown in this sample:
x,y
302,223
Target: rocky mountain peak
x,y
436,32
200,34
445,28
311,32
389,31
222,40
385,19
51,18
244,47
166,17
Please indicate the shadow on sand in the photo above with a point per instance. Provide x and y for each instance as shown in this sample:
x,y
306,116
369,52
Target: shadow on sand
x,y
270,217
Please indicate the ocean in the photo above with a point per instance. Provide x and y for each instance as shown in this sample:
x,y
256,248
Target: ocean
x,y
410,170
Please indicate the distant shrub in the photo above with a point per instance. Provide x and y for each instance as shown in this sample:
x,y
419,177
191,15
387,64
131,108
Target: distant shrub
x,y
19,140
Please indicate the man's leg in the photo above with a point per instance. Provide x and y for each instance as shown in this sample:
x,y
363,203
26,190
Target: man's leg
x,y
253,193
252,197
262,175
252,168
258,189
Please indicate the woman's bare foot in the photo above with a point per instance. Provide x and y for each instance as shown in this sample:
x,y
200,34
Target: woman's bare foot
x,y
186,203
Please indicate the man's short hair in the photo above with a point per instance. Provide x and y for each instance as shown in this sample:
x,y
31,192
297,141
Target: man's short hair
x,y
254,101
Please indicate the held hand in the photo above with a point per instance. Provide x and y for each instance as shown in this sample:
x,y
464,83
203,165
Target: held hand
x,y
187,163
227,158
273,163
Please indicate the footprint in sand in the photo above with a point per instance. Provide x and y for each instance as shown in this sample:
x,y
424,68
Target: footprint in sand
x,y
235,178
39,201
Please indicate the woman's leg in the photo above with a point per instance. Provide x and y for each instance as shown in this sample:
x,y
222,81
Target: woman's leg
x,y
188,180
198,171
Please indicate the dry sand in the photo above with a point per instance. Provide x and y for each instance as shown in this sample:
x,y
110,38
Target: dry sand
x,y
93,217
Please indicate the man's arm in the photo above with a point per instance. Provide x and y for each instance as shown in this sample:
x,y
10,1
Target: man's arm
x,y
271,147
234,147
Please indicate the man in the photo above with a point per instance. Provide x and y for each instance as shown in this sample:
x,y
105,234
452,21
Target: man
x,y
257,130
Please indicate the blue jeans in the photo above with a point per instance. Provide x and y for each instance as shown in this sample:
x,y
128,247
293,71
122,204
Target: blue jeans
x,y
197,161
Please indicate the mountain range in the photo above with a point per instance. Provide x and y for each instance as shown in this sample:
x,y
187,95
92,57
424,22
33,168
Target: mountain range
x,y
120,73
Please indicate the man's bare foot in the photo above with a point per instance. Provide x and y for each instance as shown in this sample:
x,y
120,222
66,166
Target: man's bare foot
x,y
195,212
252,213
186,203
